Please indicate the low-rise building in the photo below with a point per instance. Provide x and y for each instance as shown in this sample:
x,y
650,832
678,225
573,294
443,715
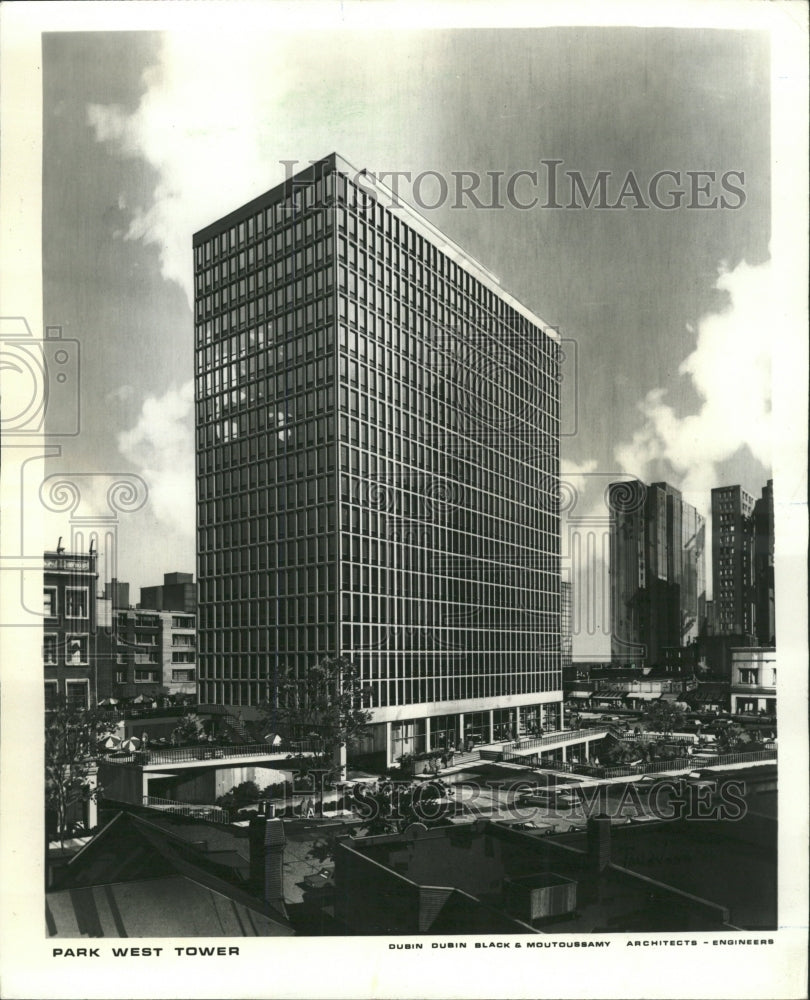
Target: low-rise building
x,y
483,877
70,650
155,652
753,680
153,646
602,686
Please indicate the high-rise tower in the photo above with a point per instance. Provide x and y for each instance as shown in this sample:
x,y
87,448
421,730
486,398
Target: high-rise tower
x,y
657,570
733,562
377,466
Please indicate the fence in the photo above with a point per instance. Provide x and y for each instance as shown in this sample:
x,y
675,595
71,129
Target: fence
x,y
715,760
561,738
121,713
685,738
653,767
213,814
531,742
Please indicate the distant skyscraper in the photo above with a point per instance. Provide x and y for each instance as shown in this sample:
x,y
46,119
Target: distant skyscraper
x,y
763,568
377,466
732,561
657,570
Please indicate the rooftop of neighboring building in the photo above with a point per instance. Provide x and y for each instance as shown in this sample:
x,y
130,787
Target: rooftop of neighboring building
x,y
485,860
731,863
60,560
162,876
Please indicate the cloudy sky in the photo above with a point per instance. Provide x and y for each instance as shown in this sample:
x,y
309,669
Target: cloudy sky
x,y
149,137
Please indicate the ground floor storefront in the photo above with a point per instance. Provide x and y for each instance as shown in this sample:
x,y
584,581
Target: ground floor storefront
x,y
459,731
748,704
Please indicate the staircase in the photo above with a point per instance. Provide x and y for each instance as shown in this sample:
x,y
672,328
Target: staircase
x,y
465,759
234,730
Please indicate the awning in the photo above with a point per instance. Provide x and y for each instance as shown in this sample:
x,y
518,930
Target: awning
x,y
643,695
580,694
601,696
671,697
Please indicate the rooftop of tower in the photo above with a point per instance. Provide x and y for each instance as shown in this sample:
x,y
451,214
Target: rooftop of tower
x,y
395,205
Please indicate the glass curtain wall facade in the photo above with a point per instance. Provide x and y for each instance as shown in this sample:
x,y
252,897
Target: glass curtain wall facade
x,y
658,571
377,463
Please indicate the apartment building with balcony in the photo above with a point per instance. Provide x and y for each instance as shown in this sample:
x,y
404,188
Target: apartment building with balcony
x,y
155,649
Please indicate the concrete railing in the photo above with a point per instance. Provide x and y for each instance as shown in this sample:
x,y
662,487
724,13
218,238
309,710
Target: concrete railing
x,y
627,771
209,751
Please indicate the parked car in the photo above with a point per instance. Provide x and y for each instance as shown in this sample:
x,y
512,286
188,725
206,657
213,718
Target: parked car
x,y
549,798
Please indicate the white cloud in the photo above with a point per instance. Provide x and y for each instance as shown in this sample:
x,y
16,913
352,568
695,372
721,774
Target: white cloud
x,y
121,394
730,370
221,110
200,125
576,473
161,446
220,113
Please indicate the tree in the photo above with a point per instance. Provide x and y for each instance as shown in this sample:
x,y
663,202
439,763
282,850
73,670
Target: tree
x,y
188,729
71,741
663,716
375,809
731,736
323,708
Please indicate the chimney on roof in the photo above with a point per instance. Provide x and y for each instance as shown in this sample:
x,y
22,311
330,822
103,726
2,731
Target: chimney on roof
x,y
598,833
266,839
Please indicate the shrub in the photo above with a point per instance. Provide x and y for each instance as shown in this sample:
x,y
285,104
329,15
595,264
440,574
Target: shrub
x,y
240,795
